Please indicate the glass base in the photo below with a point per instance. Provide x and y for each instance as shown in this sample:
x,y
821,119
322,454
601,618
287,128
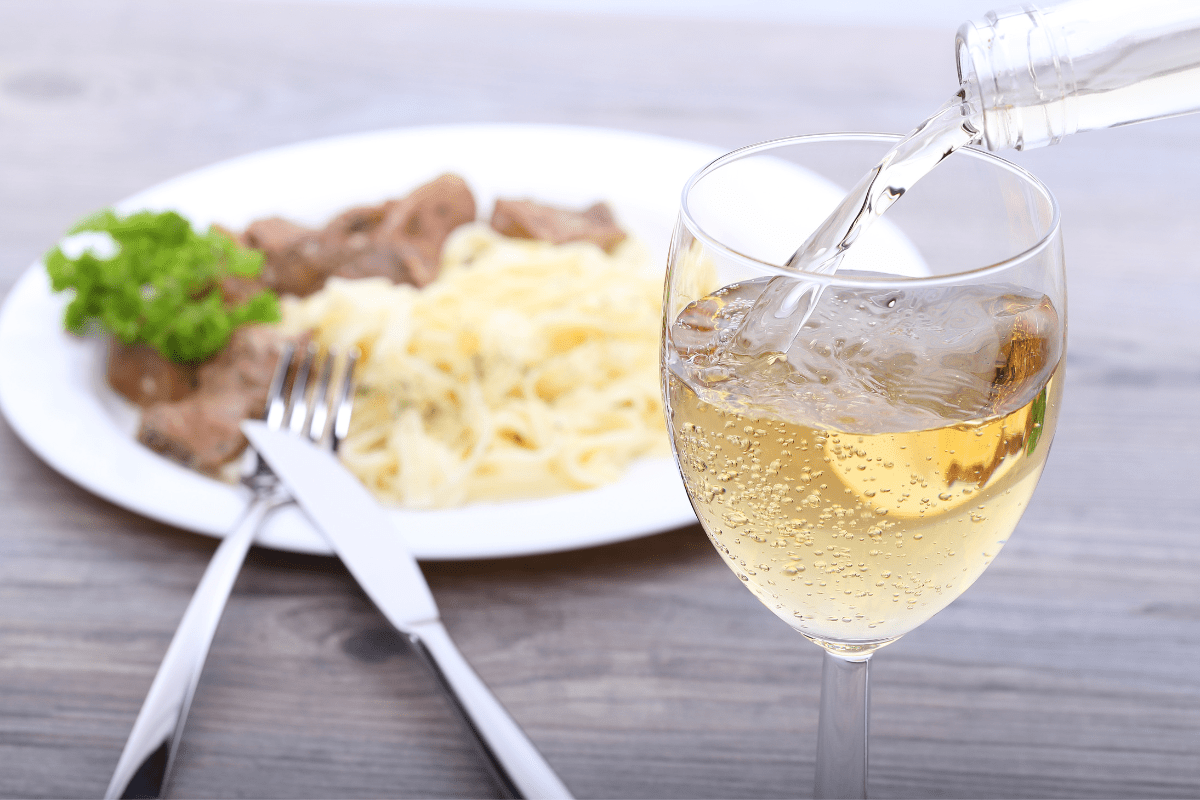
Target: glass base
x,y
851,651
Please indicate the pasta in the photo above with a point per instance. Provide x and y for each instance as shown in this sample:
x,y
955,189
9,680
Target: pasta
x,y
525,369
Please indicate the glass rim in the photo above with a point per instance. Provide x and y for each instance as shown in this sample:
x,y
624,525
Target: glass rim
x,y
841,279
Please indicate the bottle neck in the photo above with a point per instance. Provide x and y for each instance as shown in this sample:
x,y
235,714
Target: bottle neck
x,y
1017,73
1039,74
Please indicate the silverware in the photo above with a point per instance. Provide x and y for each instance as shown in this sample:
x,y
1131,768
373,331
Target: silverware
x,y
362,534
146,763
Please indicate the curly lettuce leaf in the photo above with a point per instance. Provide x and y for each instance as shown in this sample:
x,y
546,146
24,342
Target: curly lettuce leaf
x,y
161,287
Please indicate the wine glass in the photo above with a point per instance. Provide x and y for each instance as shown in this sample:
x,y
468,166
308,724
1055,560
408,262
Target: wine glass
x,y
860,475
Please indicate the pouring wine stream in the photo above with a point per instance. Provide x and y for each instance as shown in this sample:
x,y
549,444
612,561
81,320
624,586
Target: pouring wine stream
x,y
786,303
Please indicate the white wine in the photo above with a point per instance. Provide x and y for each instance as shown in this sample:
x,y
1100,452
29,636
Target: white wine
x,y
864,479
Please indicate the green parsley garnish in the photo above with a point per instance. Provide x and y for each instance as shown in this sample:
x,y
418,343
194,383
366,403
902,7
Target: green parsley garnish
x,y
161,286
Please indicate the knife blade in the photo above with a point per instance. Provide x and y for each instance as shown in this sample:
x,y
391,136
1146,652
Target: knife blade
x,y
375,553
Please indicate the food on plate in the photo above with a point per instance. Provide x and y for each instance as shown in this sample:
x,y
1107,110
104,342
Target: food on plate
x,y
192,412
400,240
499,362
201,430
142,375
525,219
149,278
526,369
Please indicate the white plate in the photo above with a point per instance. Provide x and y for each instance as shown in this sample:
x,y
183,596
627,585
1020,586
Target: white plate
x,y
53,392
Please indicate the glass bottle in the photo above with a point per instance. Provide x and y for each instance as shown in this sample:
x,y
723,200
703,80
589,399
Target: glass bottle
x,y
1039,74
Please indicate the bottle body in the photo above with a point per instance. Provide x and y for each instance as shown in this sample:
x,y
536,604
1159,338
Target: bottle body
x,y
1036,75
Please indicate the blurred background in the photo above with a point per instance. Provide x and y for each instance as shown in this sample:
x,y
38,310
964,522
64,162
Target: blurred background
x,y
920,13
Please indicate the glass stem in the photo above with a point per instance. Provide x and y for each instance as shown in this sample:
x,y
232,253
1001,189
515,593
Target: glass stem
x,y
842,728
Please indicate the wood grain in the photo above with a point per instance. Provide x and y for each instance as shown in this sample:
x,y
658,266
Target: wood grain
x,y
642,669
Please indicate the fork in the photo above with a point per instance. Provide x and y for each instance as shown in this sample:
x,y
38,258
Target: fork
x,y
146,763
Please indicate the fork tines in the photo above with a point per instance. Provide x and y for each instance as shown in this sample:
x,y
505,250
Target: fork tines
x,y
316,408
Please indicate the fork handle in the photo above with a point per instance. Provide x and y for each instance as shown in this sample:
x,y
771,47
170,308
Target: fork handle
x,y
149,755
518,766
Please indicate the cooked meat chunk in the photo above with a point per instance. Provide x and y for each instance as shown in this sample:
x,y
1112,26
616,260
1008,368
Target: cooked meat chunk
x,y
294,259
245,366
400,240
275,235
201,430
355,225
237,290
375,260
351,243
139,373
526,219
416,227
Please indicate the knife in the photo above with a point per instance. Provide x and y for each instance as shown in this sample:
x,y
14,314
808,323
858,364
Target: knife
x,y
362,534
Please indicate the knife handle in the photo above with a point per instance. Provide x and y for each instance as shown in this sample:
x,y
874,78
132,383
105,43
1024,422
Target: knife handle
x,y
517,764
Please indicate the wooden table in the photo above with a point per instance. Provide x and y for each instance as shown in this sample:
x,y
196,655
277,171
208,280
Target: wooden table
x,y
641,669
